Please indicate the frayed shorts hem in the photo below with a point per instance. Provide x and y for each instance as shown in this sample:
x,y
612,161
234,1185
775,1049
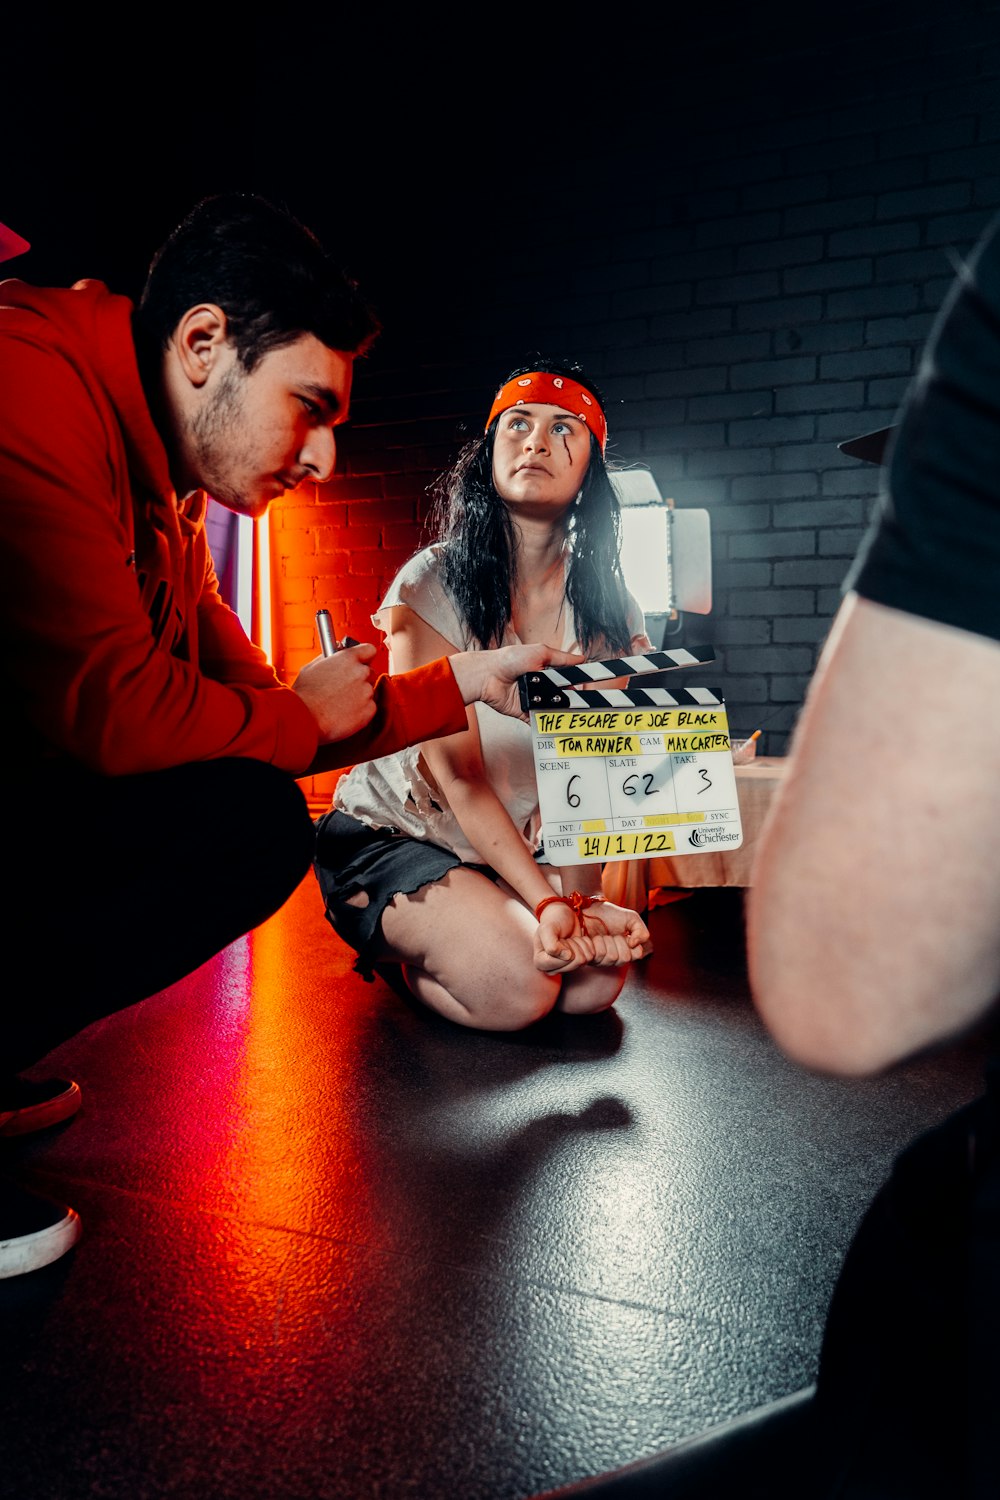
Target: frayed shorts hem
x,y
352,857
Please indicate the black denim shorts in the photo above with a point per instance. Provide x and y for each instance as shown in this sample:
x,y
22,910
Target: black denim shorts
x,y
351,857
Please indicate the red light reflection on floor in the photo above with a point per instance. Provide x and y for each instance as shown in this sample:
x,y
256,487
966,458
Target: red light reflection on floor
x,y
283,1242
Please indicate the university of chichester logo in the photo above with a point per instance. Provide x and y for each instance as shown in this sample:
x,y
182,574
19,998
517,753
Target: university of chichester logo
x,y
700,838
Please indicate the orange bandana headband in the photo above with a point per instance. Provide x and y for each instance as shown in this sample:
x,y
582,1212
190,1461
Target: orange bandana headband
x,y
552,390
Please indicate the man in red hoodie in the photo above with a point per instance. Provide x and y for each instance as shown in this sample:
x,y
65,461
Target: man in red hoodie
x,y
139,722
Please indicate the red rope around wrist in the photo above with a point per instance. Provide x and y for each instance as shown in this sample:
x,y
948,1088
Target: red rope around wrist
x,y
578,902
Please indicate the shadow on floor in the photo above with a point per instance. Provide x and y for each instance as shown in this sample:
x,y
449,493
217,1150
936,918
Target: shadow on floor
x,y
335,1246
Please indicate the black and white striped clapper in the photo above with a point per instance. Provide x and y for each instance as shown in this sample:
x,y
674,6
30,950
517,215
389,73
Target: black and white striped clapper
x,y
576,687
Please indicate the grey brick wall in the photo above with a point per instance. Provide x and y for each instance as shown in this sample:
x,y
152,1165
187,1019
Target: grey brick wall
x,y
749,264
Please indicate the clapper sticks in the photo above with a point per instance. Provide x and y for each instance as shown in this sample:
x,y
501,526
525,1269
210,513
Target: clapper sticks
x,y
569,687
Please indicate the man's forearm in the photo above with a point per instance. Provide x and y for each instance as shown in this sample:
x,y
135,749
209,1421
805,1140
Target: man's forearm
x,y
872,923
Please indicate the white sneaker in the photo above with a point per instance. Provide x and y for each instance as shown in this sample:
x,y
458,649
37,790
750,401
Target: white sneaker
x,y
26,1106
34,1231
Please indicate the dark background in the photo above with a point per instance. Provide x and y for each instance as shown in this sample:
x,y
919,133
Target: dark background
x,y
741,219
409,141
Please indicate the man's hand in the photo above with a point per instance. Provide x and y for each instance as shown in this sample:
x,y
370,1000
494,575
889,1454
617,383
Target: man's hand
x,y
491,676
338,690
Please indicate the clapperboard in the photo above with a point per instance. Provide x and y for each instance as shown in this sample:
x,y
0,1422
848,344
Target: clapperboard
x,y
630,773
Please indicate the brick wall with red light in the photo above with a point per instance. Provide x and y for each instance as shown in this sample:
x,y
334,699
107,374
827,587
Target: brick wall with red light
x,y
337,546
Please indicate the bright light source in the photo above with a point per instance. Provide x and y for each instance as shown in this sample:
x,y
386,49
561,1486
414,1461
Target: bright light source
x,y
666,552
264,582
646,557
252,577
645,540
243,572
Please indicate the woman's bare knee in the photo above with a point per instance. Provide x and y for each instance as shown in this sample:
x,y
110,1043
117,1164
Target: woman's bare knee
x,y
523,1003
508,1005
466,951
587,991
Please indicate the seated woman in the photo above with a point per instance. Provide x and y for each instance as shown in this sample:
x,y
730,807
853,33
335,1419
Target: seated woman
x,y
432,858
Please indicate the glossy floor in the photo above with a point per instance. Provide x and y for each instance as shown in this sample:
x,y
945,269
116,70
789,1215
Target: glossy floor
x,y
335,1247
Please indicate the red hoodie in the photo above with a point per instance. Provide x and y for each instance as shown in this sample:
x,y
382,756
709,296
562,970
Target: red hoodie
x,y
119,652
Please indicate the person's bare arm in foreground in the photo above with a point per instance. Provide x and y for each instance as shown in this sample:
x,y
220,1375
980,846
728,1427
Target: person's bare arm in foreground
x,y
873,926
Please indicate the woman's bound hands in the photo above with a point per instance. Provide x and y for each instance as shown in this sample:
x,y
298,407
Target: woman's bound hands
x,y
619,935
560,943
601,934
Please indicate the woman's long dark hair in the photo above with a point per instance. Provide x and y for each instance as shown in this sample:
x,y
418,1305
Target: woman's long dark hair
x,y
476,531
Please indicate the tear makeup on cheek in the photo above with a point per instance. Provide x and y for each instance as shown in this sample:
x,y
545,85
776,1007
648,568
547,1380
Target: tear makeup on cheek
x,y
568,453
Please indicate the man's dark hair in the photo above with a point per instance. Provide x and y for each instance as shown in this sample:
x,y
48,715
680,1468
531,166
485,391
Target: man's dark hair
x,y
270,275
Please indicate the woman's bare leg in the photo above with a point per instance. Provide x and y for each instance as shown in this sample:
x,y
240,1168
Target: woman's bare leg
x,y
465,944
588,989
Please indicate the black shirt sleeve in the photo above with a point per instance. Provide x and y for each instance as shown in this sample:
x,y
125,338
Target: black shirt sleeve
x,y
933,548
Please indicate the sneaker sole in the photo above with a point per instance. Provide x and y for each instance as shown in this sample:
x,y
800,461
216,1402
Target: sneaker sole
x,y
40,1116
30,1252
